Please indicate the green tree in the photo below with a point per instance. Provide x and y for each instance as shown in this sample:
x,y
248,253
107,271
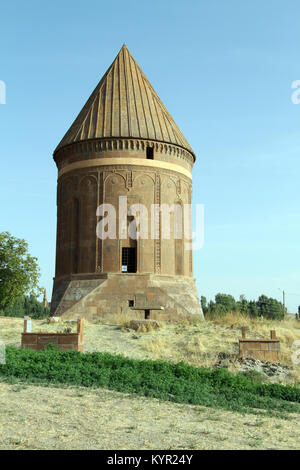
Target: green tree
x,y
34,308
227,301
216,309
27,305
270,308
242,305
19,271
264,307
15,310
204,304
252,309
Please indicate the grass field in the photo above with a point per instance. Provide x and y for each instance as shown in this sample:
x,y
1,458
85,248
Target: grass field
x,y
133,422
39,417
198,344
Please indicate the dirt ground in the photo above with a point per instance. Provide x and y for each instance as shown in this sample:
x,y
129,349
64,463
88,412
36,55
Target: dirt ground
x,y
36,417
40,417
198,344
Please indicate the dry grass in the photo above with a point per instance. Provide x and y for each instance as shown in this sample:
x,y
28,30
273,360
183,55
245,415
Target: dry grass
x,y
198,344
36,417
122,319
287,331
79,418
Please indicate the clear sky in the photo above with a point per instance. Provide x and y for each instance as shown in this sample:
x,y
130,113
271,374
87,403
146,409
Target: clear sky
x,y
224,70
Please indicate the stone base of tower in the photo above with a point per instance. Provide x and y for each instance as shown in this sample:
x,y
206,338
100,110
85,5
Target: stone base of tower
x,y
109,294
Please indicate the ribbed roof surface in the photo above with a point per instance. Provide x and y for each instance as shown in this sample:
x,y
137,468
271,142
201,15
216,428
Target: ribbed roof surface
x,y
124,104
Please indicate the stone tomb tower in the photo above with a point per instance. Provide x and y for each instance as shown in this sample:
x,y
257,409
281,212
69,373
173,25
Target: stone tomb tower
x,y
123,143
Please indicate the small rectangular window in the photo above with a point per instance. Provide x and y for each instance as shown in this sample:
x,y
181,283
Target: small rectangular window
x,y
128,260
130,303
150,153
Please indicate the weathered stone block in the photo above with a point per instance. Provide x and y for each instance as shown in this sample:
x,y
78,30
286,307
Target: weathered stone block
x,y
39,341
265,350
47,339
28,338
68,339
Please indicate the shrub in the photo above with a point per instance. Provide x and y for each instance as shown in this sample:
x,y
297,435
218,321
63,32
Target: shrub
x,y
180,382
264,307
27,305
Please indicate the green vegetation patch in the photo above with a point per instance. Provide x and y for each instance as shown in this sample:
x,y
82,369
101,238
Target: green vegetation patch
x,y
264,307
181,383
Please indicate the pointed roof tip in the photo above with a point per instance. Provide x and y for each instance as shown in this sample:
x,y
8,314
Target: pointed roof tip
x,y
96,121
124,47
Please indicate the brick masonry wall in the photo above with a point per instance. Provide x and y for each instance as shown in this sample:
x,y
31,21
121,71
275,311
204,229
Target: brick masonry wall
x,y
262,349
64,341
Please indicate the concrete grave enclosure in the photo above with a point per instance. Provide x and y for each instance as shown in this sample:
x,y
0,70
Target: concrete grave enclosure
x,y
64,341
262,349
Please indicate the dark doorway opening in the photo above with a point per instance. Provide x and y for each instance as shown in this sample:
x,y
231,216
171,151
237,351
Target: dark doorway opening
x,y
128,260
150,153
147,314
130,303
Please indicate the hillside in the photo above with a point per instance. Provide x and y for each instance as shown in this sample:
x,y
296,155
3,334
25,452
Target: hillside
x,y
83,418
200,344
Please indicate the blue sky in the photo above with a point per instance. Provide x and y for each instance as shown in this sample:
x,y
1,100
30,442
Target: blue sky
x,y
223,69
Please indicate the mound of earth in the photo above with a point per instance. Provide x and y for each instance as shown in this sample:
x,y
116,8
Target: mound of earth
x,y
249,364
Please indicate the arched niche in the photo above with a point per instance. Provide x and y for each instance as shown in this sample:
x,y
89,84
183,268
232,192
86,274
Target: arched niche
x,y
179,240
86,224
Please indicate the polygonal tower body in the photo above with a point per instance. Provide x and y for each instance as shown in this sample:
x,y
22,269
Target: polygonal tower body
x,y
123,143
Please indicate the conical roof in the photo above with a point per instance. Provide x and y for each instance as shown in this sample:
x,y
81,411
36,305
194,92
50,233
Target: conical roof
x,y
124,104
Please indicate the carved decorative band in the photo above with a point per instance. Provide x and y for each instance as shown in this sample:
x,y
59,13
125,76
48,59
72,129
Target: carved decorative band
x,y
124,161
91,146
